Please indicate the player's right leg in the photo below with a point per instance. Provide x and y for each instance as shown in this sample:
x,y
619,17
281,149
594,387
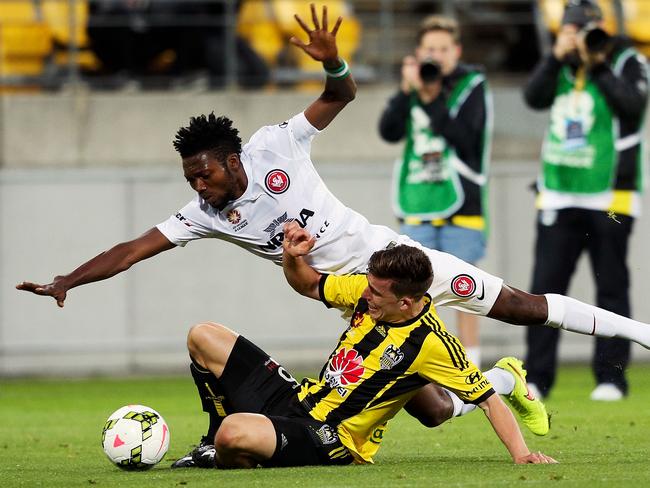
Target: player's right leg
x,y
208,343
247,378
432,405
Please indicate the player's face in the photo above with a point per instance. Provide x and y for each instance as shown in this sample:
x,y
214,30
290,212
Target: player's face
x,y
439,46
213,181
382,303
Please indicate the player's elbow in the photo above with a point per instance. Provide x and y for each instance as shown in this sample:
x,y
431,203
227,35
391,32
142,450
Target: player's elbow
x,y
309,290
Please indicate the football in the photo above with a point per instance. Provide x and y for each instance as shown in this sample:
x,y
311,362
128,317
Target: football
x,y
135,437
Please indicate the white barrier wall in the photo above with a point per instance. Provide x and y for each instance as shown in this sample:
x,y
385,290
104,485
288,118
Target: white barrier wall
x,y
51,221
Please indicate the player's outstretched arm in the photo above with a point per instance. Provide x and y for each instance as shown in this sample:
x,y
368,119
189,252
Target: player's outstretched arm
x,y
506,427
109,263
297,244
340,87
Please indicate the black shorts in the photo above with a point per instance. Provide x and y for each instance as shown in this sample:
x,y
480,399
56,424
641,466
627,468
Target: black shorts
x,y
255,383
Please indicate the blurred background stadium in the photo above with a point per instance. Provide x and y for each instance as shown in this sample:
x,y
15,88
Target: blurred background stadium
x,y
91,94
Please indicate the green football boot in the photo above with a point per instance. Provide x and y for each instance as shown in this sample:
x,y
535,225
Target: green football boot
x,y
531,410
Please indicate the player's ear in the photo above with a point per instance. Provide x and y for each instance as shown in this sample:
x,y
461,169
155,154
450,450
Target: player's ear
x,y
232,160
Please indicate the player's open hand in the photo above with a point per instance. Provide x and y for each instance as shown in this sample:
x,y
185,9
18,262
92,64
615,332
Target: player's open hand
x,y
56,289
322,42
297,241
535,458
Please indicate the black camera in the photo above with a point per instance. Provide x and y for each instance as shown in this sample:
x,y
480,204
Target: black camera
x,y
430,71
596,39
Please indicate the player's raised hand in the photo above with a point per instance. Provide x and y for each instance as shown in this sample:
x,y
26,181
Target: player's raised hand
x,y
322,41
297,241
535,458
55,289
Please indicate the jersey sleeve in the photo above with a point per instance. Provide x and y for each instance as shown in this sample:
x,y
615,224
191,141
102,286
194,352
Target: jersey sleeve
x,y
342,292
186,225
445,363
291,139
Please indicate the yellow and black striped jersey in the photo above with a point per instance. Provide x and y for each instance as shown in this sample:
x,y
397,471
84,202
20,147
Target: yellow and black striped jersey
x,y
377,367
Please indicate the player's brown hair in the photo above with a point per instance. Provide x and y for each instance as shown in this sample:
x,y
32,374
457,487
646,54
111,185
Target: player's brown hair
x,y
436,23
408,267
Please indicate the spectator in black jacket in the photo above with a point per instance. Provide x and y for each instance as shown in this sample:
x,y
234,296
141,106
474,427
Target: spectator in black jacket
x,y
589,188
443,110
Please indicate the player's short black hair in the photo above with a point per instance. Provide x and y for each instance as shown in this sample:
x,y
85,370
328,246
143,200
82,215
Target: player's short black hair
x,y
408,267
208,133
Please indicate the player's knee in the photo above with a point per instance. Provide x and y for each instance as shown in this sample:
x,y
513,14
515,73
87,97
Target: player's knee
x,y
200,335
431,408
231,435
432,418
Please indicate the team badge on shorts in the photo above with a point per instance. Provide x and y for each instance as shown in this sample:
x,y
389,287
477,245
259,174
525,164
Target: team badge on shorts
x,y
277,181
463,285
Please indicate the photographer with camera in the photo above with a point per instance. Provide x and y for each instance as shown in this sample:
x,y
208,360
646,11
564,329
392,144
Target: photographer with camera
x,y
444,112
590,183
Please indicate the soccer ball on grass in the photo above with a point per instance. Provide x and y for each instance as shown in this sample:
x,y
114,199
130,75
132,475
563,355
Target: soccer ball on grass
x,y
135,437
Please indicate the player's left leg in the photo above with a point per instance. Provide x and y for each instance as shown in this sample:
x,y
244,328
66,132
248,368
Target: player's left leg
x,y
248,440
244,441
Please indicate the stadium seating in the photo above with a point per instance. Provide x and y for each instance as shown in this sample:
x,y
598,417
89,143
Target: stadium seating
x,y
25,40
256,24
33,34
56,14
268,24
636,14
637,23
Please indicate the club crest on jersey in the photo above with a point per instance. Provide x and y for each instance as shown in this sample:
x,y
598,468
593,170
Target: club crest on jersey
x,y
463,285
234,217
277,181
327,435
392,356
345,368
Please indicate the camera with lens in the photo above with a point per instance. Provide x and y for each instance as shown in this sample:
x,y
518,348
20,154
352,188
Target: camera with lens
x,y
597,40
430,71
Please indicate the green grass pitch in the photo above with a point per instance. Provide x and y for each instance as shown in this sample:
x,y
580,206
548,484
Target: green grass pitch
x,y
50,434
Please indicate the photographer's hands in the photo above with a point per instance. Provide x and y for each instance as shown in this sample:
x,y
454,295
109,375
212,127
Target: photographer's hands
x,y
572,40
411,81
566,42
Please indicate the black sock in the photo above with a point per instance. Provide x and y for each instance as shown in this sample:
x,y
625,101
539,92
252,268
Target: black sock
x,y
212,399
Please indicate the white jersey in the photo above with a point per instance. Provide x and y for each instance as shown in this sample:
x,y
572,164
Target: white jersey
x,y
283,185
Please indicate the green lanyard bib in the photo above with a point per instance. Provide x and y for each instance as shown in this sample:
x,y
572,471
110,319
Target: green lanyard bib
x,y
579,153
427,184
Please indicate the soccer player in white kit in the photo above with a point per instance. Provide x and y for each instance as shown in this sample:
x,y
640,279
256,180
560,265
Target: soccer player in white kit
x,y
245,195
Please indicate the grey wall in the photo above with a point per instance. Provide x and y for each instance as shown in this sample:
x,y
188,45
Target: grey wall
x,y
94,129
50,221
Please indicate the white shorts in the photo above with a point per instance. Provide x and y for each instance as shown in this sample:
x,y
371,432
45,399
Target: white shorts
x,y
458,284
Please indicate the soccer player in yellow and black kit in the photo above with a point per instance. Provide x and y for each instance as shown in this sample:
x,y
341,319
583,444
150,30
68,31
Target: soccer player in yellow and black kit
x,y
395,344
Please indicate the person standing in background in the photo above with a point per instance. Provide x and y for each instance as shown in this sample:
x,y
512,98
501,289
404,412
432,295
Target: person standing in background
x,y
443,110
589,190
